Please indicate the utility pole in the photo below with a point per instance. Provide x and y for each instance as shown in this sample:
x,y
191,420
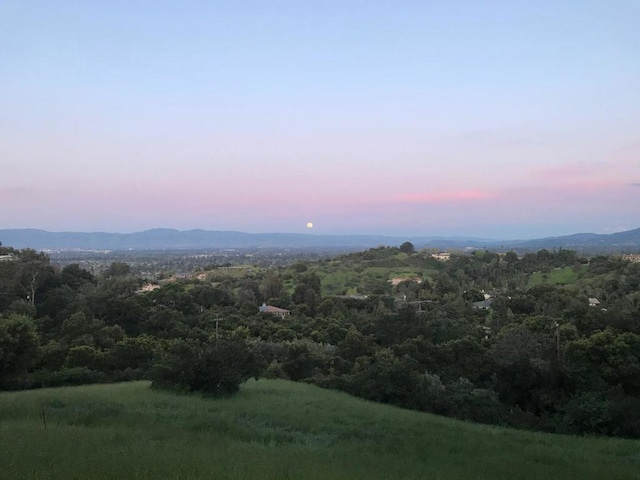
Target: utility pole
x,y
217,320
558,341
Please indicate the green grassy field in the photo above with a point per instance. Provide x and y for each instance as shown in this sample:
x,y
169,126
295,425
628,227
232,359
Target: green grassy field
x,y
276,430
351,281
562,276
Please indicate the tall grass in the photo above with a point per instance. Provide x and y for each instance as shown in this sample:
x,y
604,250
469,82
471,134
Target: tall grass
x,y
275,430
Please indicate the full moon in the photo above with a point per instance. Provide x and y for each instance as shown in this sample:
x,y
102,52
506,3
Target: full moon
x,y
309,225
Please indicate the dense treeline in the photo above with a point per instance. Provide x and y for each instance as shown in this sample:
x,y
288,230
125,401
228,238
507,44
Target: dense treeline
x,y
539,354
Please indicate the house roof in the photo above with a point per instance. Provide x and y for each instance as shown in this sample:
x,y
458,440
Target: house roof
x,y
483,303
271,309
397,280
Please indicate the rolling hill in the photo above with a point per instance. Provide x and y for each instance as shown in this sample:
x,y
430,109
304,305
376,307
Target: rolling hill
x,y
623,241
274,429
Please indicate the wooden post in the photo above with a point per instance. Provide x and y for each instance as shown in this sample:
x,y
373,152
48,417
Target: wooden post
x,y
44,417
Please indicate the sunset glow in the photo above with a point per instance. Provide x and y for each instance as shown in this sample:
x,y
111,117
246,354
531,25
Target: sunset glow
x,y
416,118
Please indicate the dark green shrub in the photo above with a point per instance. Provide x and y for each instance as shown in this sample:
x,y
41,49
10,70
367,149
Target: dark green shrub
x,y
211,368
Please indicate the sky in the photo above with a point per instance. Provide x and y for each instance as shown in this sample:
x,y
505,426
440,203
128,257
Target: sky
x,y
485,118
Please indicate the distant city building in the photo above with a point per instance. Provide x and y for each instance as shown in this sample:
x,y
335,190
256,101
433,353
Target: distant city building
x,y
442,256
7,258
594,302
632,257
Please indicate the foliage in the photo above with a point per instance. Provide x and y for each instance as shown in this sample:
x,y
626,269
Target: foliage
x,y
407,247
18,349
389,324
214,369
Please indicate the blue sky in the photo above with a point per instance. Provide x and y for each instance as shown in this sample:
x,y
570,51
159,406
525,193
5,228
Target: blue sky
x,y
498,118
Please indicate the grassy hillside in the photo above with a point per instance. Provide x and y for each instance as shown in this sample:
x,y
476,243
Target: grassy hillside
x,y
559,276
276,430
364,272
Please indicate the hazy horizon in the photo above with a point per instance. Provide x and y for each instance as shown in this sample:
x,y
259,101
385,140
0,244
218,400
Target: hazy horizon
x,y
313,233
497,120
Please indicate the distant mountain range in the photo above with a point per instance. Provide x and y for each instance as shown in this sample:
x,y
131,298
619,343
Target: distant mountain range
x,y
170,239
621,241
